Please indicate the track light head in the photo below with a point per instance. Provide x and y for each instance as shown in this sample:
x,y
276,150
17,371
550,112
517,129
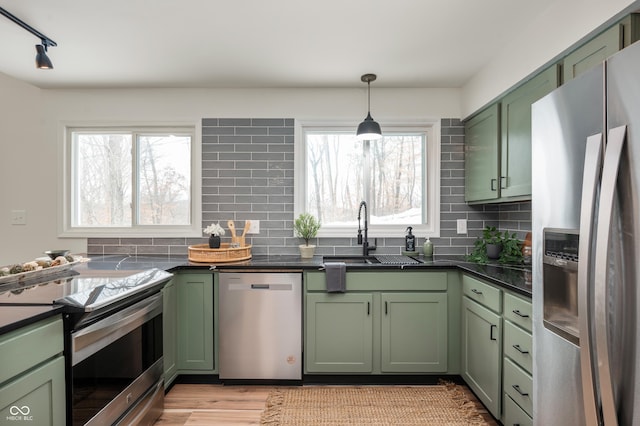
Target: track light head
x,y
42,60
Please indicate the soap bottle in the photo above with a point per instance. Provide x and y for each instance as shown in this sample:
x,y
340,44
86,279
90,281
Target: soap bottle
x,y
428,248
410,241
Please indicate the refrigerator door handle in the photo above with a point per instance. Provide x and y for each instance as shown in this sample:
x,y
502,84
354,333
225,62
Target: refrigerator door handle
x,y
590,179
613,153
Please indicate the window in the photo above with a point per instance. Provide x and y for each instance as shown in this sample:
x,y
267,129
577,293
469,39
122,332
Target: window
x,y
129,181
397,176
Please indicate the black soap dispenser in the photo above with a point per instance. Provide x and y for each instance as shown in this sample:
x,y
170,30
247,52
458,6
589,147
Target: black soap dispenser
x,y
410,241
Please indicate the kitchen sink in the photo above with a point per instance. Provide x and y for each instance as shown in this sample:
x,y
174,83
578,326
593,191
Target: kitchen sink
x,y
383,259
367,260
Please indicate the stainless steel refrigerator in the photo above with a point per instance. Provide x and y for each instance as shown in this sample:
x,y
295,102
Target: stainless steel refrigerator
x,y
586,240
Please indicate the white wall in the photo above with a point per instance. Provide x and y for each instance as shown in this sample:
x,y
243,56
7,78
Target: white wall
x,y
31,135
562,25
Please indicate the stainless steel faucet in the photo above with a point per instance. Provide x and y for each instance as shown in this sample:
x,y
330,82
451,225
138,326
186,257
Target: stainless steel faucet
x,y
366,248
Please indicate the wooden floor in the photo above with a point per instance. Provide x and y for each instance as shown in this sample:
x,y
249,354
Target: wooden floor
x,y
206,405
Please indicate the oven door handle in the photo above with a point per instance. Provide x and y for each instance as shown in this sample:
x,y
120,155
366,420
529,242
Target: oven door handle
x,y
89,340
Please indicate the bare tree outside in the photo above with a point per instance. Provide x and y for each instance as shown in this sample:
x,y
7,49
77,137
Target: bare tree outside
x,y
103,180
335,171
109,194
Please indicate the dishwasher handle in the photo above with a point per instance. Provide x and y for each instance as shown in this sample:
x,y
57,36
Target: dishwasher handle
x,y
260,286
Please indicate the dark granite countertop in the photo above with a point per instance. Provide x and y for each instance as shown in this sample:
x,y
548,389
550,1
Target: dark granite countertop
x,y
516,278
513,277
15,317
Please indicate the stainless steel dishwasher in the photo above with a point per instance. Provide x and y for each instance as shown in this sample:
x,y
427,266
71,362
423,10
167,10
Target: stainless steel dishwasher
x,y
260,317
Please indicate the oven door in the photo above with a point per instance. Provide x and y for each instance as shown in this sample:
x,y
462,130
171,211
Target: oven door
x,y
117,365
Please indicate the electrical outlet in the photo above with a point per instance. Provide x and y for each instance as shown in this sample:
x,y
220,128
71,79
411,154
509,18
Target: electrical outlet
x,y
462,226
254,227
18,217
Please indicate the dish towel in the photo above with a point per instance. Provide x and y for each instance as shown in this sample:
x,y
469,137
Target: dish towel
x,y
336,275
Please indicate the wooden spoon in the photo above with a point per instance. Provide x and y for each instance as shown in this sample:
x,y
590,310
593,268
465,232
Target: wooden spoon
x,y
232,229
247,224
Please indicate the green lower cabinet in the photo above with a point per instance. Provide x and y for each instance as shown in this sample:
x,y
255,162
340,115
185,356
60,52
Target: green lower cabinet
x,y
169,332
195,323
482,353
339,333
376,333
514,415
36,397
414,332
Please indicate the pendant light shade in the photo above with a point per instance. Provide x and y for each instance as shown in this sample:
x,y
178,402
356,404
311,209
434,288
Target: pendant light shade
x,y
369,129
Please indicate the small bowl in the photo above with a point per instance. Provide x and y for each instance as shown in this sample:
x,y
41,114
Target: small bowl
x,y
55,253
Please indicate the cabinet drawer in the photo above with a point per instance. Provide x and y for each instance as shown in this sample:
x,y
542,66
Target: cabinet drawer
x,y
482,293
518,311
518,385
514,415
27,347
518,346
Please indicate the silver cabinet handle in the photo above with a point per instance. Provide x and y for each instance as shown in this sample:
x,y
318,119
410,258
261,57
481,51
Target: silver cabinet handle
x,y
590,178
493,184
475,291
615,144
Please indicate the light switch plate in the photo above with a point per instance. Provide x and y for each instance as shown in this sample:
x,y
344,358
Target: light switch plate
x,y
18,217
254,227
462,226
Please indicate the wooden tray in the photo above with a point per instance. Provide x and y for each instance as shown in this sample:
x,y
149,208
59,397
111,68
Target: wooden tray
x,y
226,253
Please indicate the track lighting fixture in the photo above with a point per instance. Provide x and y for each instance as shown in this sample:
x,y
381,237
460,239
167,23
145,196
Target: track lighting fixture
x,y
369,129
42,60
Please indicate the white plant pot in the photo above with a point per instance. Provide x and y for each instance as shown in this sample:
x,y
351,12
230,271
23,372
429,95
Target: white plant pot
x,y
306,251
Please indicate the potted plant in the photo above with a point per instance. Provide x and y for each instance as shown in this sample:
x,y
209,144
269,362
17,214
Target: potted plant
x,y
493,244
306,226
215,231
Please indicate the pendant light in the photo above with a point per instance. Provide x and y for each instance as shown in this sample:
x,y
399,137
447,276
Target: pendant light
x,y
369,129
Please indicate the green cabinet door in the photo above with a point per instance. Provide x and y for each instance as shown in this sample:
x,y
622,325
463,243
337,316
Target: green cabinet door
x,y
593,53
339,333
515,142
36,397
195,322
481,155
482,353
169,332
414,332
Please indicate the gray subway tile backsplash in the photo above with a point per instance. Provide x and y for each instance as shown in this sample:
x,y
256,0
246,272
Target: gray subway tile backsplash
x,y
247,174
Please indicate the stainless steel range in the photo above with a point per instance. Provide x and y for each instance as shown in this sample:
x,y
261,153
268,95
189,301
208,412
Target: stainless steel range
x,y
114,342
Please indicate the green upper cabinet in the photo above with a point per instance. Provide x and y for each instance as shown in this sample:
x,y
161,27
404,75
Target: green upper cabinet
x,y
515,138
596,50
482,133
498,144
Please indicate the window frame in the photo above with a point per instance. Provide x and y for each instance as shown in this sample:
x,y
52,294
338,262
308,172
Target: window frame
x,y
431,183
194,229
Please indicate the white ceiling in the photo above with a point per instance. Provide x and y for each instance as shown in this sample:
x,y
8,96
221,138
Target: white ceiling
x,y
260,43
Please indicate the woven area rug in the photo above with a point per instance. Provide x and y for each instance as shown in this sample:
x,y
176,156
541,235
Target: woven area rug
x,y
444,404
